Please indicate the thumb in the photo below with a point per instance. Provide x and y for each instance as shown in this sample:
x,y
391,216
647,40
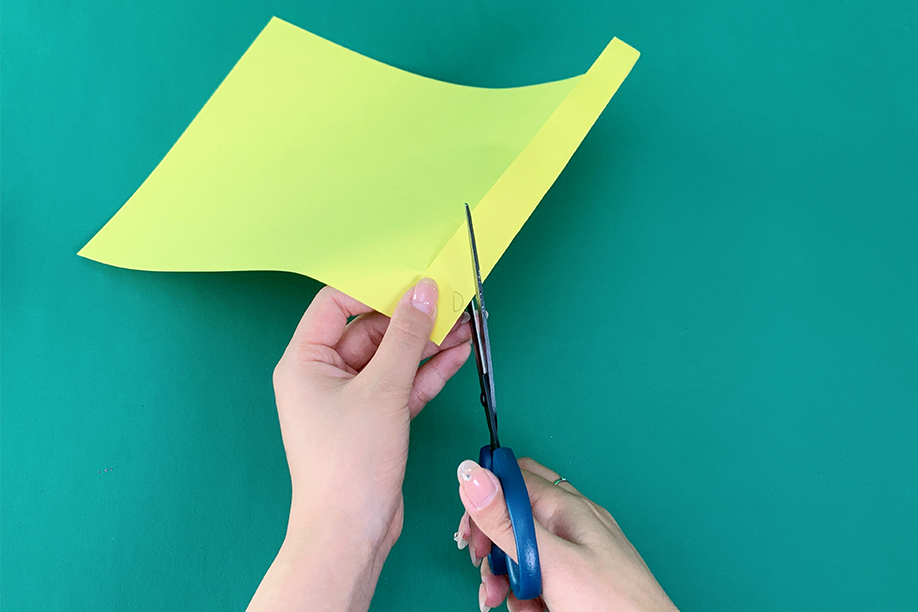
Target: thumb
x,y
395,363
483,498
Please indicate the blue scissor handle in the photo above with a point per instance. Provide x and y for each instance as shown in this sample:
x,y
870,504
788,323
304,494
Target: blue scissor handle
x,y
525,576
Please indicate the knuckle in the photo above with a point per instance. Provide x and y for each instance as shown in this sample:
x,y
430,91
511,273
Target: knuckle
x,y
555,510
604,515
396,530
584,505
299,354
422,395
437,377
500,531
527,462
326,292
573,507
409,330
376,332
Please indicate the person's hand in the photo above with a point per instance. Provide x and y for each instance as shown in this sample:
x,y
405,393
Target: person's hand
x,y
346,394
587,562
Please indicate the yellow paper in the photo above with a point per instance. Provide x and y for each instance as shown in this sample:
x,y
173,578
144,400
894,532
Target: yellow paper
x,y
314,159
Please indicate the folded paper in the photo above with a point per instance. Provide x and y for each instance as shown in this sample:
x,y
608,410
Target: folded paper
x,y
314,159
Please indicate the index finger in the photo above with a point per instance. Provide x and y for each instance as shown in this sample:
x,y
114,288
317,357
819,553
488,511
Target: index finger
x,y
531,465
324,321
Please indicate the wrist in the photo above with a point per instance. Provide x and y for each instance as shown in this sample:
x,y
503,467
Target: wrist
x,y
334,567
320,565
313,530
356,524
340,538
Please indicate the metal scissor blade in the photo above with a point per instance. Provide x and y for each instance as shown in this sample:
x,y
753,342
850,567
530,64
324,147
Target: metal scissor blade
x,y
482,340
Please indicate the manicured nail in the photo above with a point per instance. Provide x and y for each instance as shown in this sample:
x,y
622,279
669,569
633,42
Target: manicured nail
x,y
477,483
464,317
482,598
465,470
462,532
424,297
476,560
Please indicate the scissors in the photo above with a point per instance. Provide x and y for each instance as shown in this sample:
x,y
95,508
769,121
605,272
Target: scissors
x,y
526,575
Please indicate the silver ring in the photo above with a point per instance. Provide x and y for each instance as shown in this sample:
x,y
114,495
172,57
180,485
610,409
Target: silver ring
x,y
560,480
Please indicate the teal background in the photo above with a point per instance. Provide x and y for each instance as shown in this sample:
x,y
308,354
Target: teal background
x,y
710,324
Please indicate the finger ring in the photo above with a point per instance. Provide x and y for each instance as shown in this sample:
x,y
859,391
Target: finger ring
x,y
560,480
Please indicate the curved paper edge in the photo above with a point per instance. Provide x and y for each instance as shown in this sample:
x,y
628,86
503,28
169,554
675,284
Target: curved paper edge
x,y
509,203
277,21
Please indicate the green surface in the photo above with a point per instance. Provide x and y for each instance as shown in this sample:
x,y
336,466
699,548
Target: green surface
x,y
710,324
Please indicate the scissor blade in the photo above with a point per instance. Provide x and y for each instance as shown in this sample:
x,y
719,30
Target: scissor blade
x,y
483,339
483,323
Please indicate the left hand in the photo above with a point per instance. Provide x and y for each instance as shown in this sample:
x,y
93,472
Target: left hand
x,y
346,394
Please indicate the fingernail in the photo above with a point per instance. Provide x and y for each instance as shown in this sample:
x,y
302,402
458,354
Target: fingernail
x,y
482,598
424,297
464,317
465,470
462,532
476,483
476,560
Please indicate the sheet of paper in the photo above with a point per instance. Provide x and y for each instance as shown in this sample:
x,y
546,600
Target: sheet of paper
x,y
314,159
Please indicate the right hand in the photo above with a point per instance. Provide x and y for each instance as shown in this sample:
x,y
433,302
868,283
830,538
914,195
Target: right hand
x,y
587,562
